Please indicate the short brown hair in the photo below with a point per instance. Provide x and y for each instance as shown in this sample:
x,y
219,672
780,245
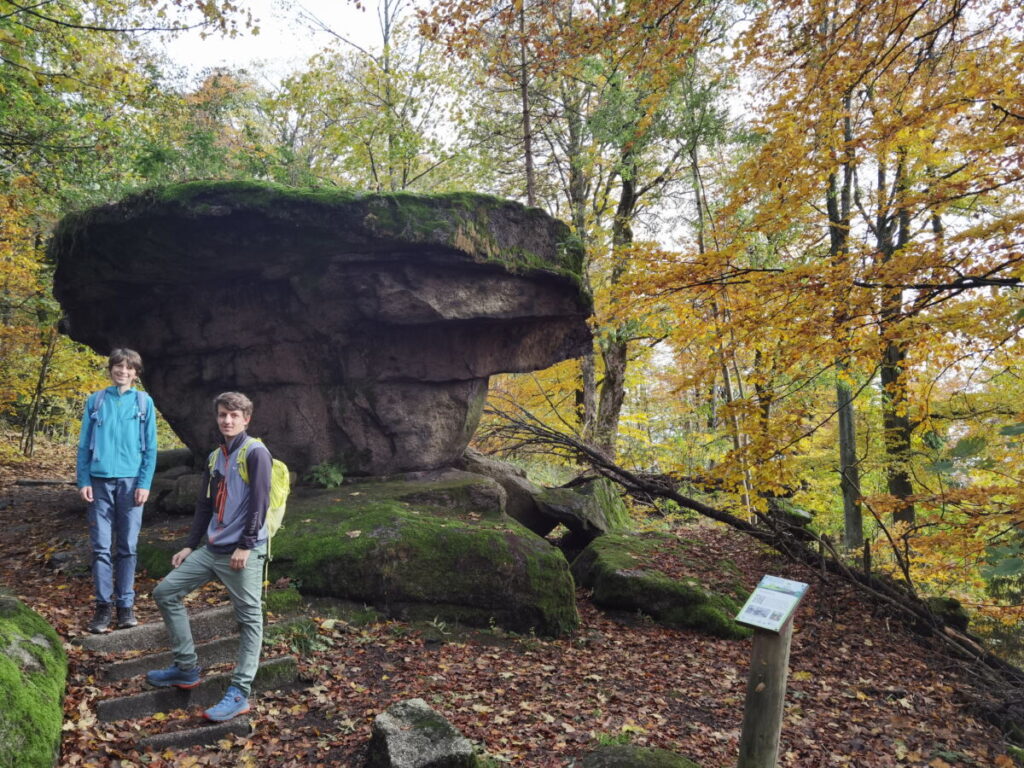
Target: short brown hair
x,y
233,401
124,355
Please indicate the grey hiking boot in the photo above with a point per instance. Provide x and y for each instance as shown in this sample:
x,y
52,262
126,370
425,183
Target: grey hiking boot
x,y
126,617
100,619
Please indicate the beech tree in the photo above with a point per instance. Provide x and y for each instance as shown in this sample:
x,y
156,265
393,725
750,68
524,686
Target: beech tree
x,y
604,93
872,236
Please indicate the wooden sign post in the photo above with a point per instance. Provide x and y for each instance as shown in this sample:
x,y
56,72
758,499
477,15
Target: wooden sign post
x,y
770,611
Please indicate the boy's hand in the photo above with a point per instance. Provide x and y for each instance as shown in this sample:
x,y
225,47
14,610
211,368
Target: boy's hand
x,y
86,493
141,494
179,557
239,558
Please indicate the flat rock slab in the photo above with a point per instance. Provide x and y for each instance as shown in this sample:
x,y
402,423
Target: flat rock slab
x,y
215,652
206,623
205,732
272,674
364,327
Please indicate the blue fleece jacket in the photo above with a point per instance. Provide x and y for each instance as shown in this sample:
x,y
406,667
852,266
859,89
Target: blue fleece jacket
x,y
117,448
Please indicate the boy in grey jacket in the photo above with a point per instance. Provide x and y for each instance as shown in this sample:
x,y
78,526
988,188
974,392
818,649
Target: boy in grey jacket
x,y
231,511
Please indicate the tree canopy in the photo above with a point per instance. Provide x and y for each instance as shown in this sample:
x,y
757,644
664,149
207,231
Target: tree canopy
x,y
803,225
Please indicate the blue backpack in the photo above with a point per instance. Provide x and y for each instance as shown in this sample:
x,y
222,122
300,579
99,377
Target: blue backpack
x,y
141,413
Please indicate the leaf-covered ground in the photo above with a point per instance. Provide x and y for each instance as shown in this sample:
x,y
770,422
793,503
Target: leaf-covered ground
x,y
863,691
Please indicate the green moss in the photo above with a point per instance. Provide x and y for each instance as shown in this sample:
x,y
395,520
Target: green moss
x,y
266,196
283,600
621,572
413,564
628,756
154,557
33,672
1016,753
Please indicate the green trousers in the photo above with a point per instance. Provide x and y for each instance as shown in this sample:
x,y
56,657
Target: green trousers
x,y
244,588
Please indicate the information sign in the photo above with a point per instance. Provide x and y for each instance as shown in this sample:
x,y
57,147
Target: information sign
x,y
772,603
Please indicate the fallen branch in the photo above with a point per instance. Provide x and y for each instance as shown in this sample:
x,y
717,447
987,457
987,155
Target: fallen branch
x,y
516,427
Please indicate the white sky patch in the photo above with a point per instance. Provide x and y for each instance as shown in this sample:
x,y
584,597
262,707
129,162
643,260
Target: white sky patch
x,y
286,40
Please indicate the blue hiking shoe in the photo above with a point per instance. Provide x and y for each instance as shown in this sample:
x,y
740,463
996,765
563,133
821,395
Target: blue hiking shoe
x,y
173,675
232,705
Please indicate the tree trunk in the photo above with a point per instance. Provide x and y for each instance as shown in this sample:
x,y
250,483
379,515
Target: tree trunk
x,y
849,472
615,345
28,432
524,93
839,203
896,424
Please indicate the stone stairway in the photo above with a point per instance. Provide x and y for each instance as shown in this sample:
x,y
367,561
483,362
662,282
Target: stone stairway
x,y
137,650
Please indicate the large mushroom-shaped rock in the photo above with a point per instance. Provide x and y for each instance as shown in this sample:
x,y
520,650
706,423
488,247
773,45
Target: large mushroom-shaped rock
x,y
364,327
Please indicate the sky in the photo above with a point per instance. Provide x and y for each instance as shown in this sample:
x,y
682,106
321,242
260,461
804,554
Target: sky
x,y
286,39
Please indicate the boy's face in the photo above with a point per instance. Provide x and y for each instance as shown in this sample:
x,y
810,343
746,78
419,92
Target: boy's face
x,y
122,374
231,423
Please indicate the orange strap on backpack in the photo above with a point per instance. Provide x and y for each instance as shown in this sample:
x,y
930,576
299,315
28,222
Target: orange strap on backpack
x,y
222,489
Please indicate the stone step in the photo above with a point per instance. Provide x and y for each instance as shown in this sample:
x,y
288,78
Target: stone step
x,y
281,672
207,624
205,733
214,652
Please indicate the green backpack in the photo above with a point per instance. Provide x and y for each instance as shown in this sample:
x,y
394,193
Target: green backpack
x,y
280,485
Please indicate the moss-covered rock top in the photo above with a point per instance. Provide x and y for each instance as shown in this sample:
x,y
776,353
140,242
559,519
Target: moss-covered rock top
x,y
33,671
415,556
224,224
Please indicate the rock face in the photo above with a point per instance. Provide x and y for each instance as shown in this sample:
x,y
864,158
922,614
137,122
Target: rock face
x,y
410,734
363,327
33,670
591,509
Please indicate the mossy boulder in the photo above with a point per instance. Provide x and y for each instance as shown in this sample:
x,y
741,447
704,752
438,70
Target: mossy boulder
x,y
175,490
629,756
627,572
418,546
33,672
364,327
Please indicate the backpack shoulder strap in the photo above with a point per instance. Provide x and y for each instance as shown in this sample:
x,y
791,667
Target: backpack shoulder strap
x,y
97,403
143,412
95,418
243,452
211,462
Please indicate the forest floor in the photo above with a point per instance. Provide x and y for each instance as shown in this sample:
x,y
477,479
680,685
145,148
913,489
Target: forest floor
x,y
863,691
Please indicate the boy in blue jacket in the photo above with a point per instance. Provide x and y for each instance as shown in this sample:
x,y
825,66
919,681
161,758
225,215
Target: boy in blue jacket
x,y
116,462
